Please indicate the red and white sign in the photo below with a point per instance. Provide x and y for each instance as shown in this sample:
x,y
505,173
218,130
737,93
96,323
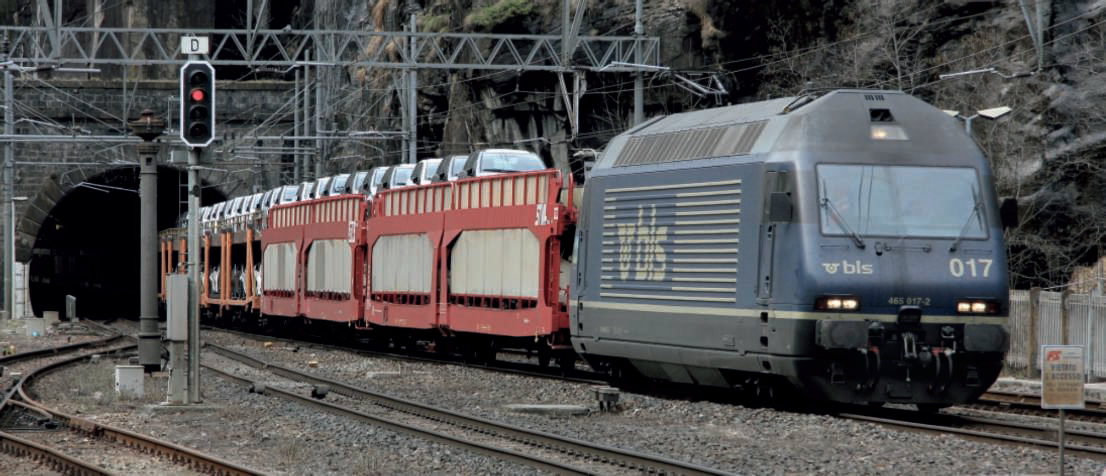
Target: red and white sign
x,y
1062,377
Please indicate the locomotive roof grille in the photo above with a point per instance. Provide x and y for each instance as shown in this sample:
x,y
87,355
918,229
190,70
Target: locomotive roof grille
x,y
691,144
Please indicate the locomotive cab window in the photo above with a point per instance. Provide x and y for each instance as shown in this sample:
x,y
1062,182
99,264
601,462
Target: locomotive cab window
x,y
900,201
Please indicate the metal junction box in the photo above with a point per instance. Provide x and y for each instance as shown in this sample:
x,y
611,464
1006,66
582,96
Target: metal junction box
x,y
176,307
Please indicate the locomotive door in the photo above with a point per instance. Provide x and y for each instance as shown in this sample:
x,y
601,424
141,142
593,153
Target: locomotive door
x,y
777,209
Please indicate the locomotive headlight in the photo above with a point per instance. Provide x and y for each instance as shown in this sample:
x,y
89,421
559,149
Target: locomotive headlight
x,y
888,132
976,307
837,303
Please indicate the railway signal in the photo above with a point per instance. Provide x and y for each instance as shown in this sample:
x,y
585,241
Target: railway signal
x,y
197,105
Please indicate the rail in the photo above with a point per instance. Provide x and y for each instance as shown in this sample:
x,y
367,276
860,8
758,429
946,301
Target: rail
x,y
69,465
505,366
1004,401
1086,443
58,461
532,438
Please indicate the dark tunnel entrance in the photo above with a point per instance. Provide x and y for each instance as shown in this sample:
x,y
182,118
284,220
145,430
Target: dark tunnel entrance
x,y
88,245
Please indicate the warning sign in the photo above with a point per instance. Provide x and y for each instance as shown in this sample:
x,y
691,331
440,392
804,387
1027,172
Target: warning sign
x,y
1062,376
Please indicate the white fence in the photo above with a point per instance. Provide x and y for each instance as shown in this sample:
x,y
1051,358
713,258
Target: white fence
x,y
1041,317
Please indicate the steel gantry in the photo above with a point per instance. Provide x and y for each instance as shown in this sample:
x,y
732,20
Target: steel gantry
x,y
91,47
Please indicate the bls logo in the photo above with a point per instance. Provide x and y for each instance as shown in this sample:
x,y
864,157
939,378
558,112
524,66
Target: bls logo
x,y
847,267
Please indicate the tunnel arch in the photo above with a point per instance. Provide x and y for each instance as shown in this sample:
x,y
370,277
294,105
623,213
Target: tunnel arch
x,y
83,230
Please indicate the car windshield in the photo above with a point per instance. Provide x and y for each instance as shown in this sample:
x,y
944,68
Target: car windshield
x,y
507,162
899,201
358,181
401,176
457,165
427,169
338,185
289,194
378,176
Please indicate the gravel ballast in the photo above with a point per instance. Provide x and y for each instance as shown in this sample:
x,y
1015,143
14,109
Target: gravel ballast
x,y
16,465
262,432
280,437
59,334
725,436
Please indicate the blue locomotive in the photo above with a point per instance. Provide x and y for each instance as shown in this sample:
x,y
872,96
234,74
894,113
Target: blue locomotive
x,y
848,243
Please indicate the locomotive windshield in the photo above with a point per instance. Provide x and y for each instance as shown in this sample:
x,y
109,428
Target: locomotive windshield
x,y
876,200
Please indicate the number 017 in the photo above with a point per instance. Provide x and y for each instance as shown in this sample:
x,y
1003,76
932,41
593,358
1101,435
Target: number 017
x,y
973,268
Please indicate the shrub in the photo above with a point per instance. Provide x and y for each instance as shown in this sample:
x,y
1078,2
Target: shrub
x,y
500,12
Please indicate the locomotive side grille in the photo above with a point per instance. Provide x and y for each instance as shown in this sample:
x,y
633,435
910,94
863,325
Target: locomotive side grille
x,y
672,243
737,139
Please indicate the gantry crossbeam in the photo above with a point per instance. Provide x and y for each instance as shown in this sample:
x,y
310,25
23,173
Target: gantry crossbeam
x,y
91,47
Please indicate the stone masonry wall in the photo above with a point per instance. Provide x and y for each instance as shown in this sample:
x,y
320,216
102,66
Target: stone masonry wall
x,y
46,170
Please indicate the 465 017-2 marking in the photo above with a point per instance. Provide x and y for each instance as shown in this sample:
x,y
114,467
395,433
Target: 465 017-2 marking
x,y
909,301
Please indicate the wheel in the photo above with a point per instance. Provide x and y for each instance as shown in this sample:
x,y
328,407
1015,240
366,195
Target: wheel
x,y
567,362
931,408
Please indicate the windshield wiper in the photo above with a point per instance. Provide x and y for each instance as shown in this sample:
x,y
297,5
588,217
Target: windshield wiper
x,y
841,222
963,229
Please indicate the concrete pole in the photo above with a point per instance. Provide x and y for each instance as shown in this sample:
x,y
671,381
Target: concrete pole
x,y
194,276
566,30
412,102
149,337
9,198
639,77
405,115
1040,35
320,144
1096,292
308,172
296,119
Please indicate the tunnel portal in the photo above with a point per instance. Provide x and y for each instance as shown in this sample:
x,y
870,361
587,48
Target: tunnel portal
x,y
88,245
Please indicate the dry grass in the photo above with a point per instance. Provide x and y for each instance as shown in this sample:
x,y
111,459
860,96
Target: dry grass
x,y
292,454
91,379
95,378
709,33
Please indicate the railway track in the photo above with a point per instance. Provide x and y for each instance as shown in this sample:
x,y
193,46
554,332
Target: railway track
x,y
75,457
1041,434
507,366
1085,443
1030,405
537,449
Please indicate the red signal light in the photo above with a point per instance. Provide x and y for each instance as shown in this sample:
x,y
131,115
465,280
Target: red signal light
x,y
197,95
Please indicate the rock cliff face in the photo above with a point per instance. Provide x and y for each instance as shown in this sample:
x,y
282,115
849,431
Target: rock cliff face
x,y
1046,152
